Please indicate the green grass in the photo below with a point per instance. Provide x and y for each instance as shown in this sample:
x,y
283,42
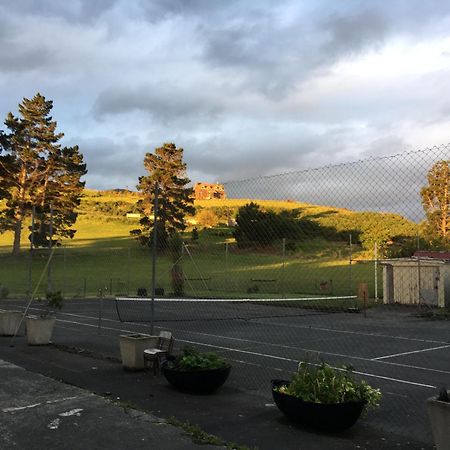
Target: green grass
x,y
104,256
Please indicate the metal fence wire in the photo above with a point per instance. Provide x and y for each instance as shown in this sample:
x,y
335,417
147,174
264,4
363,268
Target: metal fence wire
x,y
335,262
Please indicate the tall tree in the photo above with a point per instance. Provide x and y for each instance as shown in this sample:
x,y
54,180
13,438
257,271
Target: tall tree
x,y
175,200
34,170
436,200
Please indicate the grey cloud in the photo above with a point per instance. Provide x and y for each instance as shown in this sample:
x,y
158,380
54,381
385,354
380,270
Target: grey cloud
x,y
350,34
163,102
22,59
73,10
273,57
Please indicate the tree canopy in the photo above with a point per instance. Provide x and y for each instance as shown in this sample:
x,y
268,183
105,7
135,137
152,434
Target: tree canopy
x,y
36,171
166,170
436,200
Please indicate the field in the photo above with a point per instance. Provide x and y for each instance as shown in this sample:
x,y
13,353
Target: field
x,y
103,256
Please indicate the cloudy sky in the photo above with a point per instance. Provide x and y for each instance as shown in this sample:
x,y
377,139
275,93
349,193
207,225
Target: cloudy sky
x,y
246,87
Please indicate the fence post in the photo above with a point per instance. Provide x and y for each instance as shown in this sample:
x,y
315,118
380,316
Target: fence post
x,y
50,244
283,274
30,267
375,257
350,274
155,237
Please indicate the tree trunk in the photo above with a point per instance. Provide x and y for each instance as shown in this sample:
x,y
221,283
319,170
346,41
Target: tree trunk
x,y
17,235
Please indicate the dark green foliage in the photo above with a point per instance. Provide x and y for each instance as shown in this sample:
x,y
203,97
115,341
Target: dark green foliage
x,y
4,292
36,171
53,301
257,227
167,171
192,359
325,384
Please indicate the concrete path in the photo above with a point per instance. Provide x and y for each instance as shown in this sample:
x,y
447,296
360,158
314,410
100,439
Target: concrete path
x,y
37,412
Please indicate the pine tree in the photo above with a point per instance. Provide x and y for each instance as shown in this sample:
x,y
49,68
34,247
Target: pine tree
x,y
167,170
35,171
436,200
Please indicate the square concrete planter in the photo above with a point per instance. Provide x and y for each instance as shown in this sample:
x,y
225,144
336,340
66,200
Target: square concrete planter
x,y
439,413
9,323
132,348
39,330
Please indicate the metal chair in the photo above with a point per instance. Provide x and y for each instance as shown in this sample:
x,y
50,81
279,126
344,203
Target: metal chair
x,y
156,355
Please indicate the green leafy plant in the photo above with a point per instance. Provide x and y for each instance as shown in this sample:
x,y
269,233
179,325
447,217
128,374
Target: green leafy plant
x,y
192,359
53,301
325,384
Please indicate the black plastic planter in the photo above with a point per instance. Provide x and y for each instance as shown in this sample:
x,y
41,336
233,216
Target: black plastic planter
x,y
325,417
197,381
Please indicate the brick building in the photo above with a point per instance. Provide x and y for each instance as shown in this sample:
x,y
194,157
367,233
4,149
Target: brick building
x,y
208,191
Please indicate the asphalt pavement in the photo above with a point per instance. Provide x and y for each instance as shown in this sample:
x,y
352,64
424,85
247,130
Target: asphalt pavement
x,y
57,397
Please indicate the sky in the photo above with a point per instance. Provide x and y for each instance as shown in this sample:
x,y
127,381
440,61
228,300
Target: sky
x,y
246,88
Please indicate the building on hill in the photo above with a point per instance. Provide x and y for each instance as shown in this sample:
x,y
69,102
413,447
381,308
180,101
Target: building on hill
x,y
208,191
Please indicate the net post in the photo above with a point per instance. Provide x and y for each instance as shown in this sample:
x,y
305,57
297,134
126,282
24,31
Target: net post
x,y
100,311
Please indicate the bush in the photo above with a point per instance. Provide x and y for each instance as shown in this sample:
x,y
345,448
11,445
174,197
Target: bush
x,y
4,292
207,218
325,384
192,359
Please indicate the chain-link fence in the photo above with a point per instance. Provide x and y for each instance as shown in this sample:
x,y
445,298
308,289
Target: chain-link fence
x,y
337,261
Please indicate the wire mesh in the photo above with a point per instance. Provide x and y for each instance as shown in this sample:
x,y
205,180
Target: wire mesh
x,y
327,261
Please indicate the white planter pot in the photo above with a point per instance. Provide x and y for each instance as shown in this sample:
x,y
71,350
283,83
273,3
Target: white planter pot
x,y
39,330
439,413
9,322
132,348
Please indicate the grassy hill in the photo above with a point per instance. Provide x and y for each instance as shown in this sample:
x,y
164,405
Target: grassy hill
x,y
104,256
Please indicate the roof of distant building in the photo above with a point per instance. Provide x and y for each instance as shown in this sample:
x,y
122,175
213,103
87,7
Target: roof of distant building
x,y
442,255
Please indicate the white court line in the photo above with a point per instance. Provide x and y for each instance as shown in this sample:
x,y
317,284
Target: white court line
x,y
406,366
308,350
358,333
264,355
410,353
305,327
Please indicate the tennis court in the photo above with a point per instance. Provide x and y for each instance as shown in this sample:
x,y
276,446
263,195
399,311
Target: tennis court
x,y
406,356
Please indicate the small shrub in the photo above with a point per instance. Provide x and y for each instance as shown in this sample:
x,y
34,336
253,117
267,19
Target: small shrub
x,y
254,289
4,292
192,359
325,384
141,292
291,246
53,301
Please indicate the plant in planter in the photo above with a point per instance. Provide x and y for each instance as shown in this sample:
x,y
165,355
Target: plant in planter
x,y
439,413
324,397
197,372
40,328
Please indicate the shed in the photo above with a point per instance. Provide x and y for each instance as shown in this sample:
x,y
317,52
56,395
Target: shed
x,y
429,270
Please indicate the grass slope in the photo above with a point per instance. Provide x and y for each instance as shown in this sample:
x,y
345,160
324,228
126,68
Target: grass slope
x,y
104,256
